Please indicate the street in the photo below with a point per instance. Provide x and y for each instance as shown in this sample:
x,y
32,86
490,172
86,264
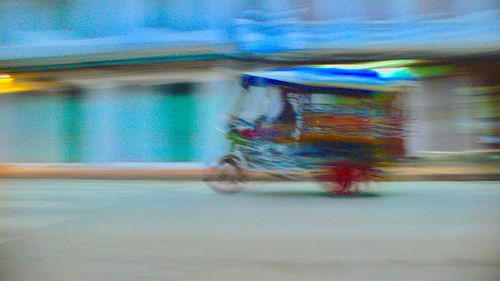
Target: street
x,y
61,230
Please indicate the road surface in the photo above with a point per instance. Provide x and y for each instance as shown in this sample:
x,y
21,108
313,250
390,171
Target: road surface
x,y
62,230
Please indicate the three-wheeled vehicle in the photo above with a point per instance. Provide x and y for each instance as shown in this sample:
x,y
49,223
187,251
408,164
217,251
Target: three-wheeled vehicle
x,y
337,125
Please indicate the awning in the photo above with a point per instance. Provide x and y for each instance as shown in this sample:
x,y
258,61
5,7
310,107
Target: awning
x,y
326,79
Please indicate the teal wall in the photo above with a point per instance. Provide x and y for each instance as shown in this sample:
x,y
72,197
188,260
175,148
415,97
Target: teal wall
x,y
30,128
116,123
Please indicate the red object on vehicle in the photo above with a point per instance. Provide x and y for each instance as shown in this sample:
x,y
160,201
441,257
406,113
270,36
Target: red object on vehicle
x,y
248,134
343,175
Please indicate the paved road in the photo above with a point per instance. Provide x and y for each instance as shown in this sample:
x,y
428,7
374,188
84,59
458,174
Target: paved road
x,y
112,230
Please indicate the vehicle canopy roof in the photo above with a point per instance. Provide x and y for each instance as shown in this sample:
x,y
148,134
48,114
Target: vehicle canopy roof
x,y
331,79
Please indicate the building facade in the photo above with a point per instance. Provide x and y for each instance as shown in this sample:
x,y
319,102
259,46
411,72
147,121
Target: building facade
x,y
141,112
33,29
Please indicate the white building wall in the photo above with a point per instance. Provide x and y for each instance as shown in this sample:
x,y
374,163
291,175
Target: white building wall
x,y
436,126
216,99
97,123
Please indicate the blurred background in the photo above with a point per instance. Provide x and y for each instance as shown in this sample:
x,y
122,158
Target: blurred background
x,y
109,81
126,90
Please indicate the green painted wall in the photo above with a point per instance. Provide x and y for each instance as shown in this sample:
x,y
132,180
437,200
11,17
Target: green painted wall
x,y
71,126
175,123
